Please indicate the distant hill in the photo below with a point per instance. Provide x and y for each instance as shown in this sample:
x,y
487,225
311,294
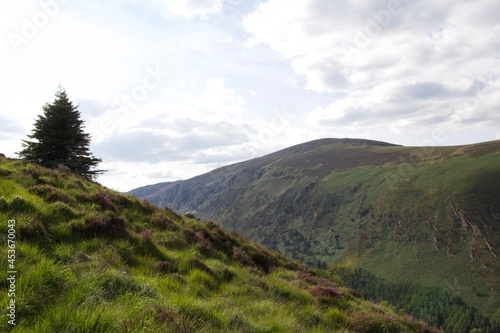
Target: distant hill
x,y
427,215
78,257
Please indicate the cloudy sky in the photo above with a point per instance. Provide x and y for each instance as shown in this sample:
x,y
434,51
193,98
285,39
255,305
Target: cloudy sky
x,y
174,88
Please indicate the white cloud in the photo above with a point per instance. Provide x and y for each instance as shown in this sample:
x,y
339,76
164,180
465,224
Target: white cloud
x,y
176,127
245,78
390,58
193,8
220,100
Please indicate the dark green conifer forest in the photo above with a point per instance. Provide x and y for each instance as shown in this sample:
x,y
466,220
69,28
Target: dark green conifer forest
x,y
434,305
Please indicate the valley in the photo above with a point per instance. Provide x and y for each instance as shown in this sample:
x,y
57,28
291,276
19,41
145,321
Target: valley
x,y
427,215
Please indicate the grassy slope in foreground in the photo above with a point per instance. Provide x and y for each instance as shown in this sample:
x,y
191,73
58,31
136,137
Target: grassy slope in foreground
x,y
92,260
416,214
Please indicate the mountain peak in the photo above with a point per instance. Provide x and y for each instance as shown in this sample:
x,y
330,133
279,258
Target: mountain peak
x,y
361,142
403,213
314,144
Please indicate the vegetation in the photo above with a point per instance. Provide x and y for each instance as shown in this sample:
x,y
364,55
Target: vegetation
x,y
60,139
89,259
425,215
436,306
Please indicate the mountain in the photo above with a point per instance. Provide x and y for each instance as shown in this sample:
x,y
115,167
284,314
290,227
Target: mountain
x,y
426,215
78,257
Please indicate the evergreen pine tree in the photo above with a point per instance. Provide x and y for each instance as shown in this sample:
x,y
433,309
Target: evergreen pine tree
x,y
60,139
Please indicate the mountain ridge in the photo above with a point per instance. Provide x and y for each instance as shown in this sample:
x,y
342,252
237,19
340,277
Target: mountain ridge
x,y
423,211
84,258
304,147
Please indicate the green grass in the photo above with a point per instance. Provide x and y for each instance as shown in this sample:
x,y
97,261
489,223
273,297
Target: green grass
x,y
92,260
427,215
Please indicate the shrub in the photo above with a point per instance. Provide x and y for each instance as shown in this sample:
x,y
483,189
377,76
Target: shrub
x,y
262,259
20,205
376,323
163,314
354,293
31,228
206,241
163,222
198,264
212,237
147,208
421,325
361,322
204,245
146,235
240,255
107,224
50,193
164,267
325,291
173,241
123,200
312,278
204,233
189,235
105,202
227,275
177,322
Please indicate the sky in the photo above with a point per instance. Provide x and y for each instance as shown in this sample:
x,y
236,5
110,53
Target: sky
x,y
170,89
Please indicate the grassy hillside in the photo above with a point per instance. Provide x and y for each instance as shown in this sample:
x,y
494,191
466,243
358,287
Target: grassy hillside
x,y
407,214
88,259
